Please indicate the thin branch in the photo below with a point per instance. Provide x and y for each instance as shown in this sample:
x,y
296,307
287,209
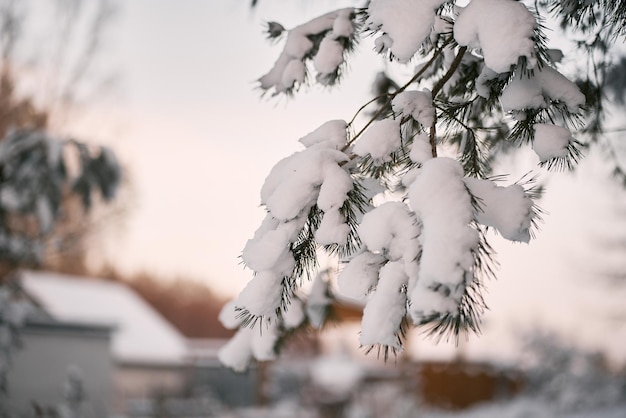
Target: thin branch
x,y
365,105
436,89
432,135
450,72
390,96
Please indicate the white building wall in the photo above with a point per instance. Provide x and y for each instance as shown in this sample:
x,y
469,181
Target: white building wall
x,y
39,369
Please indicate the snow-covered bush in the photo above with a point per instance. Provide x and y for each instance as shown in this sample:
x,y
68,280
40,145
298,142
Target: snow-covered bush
x,y
484,81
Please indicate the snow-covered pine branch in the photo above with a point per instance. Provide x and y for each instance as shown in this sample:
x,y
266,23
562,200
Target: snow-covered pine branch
x,y
407,224
322,42
311,199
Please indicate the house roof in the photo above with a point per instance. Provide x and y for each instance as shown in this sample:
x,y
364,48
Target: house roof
x,y
140,334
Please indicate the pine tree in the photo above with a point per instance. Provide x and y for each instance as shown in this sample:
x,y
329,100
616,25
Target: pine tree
x,y
380,193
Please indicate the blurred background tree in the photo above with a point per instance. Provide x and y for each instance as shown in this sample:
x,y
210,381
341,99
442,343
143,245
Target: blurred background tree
x,y
52,186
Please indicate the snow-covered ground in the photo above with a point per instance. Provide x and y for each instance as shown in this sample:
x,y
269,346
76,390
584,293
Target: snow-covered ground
x,y
524,408
528,408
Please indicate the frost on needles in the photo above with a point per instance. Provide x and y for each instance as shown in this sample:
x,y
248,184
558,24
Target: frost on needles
x,y
403,196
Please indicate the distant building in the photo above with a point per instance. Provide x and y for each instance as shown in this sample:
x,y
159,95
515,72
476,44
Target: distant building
x,y
51,351
146,356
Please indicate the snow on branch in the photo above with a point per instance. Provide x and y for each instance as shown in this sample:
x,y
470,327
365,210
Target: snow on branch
x,y
545,86
441,201
555,146
502,30
510,210
404,25
392,231
416,104
260,344
385,312
307,196
324,40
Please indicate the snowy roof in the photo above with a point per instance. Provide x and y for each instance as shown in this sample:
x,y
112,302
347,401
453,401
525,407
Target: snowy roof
x,y
141,335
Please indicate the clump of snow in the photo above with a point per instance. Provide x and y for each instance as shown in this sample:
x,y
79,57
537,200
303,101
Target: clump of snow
x,y
269,248
294,73
262,294
404,24
550,141
360,275
297,45
501,29
265,252
508,209
237,352
228,316
532,92
329,56
333,229
294,315
291,185
439,197
258,343
336,185
264,341
380,140
417,104
388,232
385,310
331,134
391,230
421,150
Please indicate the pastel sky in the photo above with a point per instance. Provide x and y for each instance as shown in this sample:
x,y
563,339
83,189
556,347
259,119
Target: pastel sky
x,y
198,141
